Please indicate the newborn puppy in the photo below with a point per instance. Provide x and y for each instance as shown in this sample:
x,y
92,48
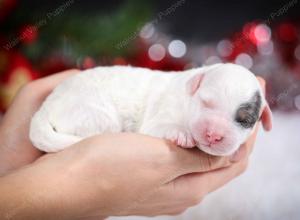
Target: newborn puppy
x,y
212,107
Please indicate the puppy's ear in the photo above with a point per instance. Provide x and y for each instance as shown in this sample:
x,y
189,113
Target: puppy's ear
x,y
266,117
193,83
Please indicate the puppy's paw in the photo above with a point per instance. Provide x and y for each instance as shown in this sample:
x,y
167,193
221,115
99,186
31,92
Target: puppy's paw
x,y
180,137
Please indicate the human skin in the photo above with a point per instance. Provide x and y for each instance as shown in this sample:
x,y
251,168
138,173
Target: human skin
x,y
105,175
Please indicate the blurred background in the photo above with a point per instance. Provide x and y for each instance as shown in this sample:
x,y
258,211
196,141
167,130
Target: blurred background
x,y
38,39
41,38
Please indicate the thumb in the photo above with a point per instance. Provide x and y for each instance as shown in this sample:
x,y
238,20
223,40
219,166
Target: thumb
x,y
193,160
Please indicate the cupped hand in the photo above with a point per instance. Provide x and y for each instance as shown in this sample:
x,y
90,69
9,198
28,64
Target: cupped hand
x,y
117,175
113,174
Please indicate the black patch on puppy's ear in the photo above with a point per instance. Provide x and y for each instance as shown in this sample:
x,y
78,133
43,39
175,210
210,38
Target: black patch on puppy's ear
x,y
248,113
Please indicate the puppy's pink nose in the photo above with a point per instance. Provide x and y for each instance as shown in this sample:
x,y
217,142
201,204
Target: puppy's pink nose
x,y
213,137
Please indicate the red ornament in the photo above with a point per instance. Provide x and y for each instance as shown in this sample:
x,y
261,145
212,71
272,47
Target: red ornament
x,y
29,34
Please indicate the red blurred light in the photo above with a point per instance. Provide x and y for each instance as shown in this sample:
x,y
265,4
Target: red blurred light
x,y
287,32
88,63
248,32
29,34
262,33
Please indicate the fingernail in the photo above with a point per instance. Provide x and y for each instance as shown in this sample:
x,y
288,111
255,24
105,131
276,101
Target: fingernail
x,y
238,155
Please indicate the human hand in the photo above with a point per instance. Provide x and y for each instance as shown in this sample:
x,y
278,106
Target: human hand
x,y
187,190
190,189
160,202
113,174
16,149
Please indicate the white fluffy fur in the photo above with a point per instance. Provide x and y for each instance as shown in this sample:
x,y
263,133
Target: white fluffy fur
x,y
119,98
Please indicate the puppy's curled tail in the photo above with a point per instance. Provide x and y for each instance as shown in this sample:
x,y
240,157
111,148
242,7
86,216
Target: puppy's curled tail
x,y
44,137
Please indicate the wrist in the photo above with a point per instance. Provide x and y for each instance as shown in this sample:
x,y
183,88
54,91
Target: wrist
x,y
25,194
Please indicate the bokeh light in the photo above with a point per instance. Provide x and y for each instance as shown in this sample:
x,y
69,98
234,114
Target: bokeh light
x,y
224,48
262,33
245,60
147,31
156,52
177,48
266,48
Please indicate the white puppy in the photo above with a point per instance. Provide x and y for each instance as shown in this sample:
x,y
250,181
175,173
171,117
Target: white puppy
x,y
213,107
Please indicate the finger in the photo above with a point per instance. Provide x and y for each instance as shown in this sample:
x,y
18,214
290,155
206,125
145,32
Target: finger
x,y
166,159
217,178
37,90
33,94
52,81
195,186
246,149
193,160
93,218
